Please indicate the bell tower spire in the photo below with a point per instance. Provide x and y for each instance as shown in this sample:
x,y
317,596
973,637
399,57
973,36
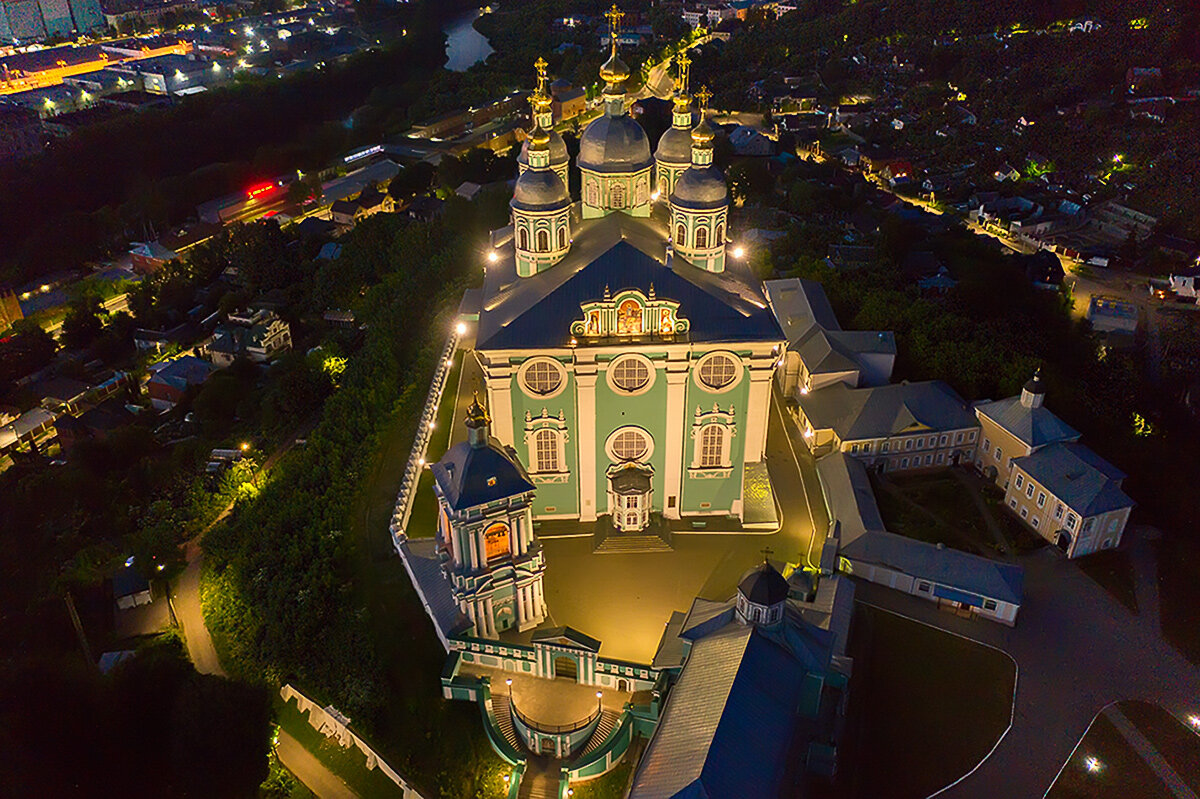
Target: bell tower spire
x,y
614,72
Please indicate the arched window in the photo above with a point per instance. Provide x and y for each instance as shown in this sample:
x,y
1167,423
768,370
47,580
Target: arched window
x,y
680,234
545,451
630,444
662,186
562,238
617,196
712,446
522,239
543,241
720,239
593,193
641,191
718,371
701,238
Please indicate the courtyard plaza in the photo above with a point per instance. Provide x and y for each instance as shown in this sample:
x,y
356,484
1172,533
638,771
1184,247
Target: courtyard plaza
x,y
625,600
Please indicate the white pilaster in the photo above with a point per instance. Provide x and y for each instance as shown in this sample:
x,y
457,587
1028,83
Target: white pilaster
x,y
521,612
758,406
499,390
676,376
489,619
585,377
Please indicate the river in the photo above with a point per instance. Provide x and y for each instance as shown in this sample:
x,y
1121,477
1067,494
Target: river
x,y
465,46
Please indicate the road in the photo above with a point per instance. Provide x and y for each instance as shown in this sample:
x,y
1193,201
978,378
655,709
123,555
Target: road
x,y
186,600
659,82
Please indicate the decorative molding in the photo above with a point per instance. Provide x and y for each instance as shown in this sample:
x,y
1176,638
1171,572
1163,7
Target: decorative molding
x,y
629,314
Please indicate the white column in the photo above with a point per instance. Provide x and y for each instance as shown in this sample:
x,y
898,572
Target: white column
x,y
520,603
499,390
585,376
489,620
481,560
538,598
758,405
676,376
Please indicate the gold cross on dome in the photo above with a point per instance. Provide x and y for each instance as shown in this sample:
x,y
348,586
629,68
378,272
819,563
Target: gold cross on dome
x,y
540,65
683,62
614,16
703,96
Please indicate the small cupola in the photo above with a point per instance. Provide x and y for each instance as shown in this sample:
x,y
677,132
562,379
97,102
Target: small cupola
x,y
762,594
1033,394
478,424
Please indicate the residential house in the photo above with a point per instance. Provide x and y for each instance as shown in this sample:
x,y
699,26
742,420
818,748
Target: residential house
x,y
897,427
1043,269
567,101
1112,315
859,544
1071,497
747,141
130,589
28,428
1016,427
148,257
819,353
848,257
95,424
257,334
171,381
155,341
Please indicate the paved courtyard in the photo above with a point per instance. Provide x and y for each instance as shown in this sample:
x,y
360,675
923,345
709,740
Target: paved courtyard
x,y
549,702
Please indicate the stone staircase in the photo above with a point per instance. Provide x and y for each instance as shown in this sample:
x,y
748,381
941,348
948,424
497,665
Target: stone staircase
x,y
502,710
540,780
627,544
608,723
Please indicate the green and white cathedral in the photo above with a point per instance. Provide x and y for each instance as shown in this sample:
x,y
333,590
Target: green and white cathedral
x,y
627,357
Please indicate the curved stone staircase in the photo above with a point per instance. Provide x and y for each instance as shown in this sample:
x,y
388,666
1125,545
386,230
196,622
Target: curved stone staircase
x,y
608,723
502,710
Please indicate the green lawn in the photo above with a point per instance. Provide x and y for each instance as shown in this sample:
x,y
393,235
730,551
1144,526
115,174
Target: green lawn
x,y
925,706
1113,570
350,764
423,521
933,507
610,786
1121,773
1179,587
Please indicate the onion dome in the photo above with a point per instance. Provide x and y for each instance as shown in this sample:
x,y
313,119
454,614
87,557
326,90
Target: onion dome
x,y
558,151
700,188
675,147
614,143
764,585
702,134
614,71
539,190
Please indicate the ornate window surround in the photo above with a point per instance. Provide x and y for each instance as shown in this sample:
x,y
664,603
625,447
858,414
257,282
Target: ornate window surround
x,y
660,319
727,421
609,373
557,424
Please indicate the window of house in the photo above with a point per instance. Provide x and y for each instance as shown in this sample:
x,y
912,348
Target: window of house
x,y
1037,522
1114,524
543,241
562,238
904,463
1010,460
701,238
718,370
884,448
546,451
1020,480
924,587
971,436
942,441
958,438
680,234
1107,544
1041,499
630,444
712,446
720,239
941,457
867,447
989,604
1058,510
854,449
1089,524
997,454
920,443
1024,512
617,196
928,459
630,374
1012,503
908,444
987,445
1029,491
522,239
1070,521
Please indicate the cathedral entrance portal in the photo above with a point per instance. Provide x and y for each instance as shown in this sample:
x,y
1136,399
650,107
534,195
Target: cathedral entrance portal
x,y
630,496
567,668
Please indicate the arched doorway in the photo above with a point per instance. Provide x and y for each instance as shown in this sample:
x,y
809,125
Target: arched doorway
x,y
566,668
1063,542
623,685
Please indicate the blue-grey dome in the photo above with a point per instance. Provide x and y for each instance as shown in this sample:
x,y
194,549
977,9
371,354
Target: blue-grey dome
x,y
700,188
675,147
614,144
540,190
558,151
763,585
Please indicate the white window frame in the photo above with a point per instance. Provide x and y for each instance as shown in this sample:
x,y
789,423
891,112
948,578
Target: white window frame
x,y
611,441
611,369
704,360
522,377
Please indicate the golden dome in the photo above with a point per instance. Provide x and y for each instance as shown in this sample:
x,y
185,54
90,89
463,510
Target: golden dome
x,y
702,134
614,70
539,138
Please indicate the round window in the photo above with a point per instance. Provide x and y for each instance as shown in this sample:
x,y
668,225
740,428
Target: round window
x,y
718,371
630,374
630,445
543,377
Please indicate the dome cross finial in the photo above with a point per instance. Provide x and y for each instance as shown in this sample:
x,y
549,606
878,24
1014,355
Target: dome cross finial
x,y
702,97
681,80
614,16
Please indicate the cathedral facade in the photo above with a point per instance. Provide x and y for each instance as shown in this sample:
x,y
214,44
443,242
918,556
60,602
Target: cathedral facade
x,y
627,359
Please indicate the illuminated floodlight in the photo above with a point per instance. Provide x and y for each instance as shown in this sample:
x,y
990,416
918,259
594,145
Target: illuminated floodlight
x,y
420,461
1194,721
129,561
654,195
739,252
493,256
808,434
460,328
1093,764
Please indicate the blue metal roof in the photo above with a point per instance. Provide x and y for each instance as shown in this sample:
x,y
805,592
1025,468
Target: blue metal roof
x,y
469,476
616,253
1080,478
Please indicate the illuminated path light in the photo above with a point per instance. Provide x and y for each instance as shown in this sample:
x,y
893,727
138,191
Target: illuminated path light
x,y
460,328
1093,764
